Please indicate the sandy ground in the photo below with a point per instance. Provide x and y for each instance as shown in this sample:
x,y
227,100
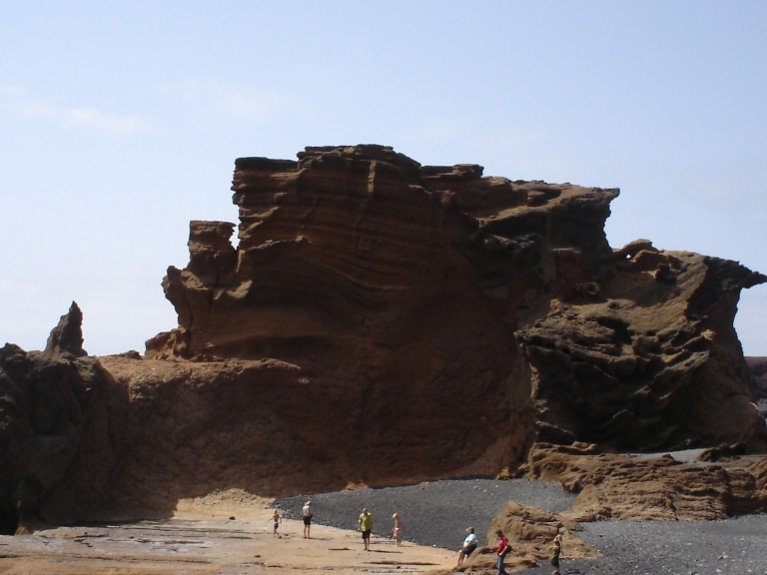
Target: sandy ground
x,y
231,533
227,533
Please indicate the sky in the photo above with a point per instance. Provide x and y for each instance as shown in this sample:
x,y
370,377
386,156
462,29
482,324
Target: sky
x,y
120,122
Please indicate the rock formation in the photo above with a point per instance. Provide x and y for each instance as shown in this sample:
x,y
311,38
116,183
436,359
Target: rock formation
x,y
381,322
758,370
660,487
45,399
531,531
420,296
652,363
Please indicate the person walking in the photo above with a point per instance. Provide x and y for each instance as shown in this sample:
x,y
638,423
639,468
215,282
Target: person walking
x,y
365,525
396,531
277,519
501,551
306,515
469,545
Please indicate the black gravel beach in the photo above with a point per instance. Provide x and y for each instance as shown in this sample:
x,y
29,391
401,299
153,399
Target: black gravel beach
x,y
437,514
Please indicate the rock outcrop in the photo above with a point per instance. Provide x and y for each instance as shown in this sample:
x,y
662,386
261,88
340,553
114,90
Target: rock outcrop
x,y
661,487
652,362
420,296
530,532
758,370
45,400
381,322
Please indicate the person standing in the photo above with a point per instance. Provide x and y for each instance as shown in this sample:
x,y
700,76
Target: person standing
x,y
396,531
306,514
365,525
556,550
469,545
277,518
501,551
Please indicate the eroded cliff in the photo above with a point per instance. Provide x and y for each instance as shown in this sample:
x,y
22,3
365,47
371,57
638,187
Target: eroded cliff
x,y
382,322
421,296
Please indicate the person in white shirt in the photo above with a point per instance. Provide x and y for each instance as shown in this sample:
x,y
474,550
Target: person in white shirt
x,y
469,545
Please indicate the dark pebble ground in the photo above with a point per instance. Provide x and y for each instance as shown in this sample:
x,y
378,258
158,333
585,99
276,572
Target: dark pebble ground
x,y
437,513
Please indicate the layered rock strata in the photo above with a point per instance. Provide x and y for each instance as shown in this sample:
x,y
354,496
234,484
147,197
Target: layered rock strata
x,y
380,322
660,487
420,296
650,361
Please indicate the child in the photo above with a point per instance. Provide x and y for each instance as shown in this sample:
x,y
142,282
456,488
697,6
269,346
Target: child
x,y
277,518
556,550
396,532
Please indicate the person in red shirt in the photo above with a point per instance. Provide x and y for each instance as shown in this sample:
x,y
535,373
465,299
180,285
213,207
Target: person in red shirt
x,y
501,551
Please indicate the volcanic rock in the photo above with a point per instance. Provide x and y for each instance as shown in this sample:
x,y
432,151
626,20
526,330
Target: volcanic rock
x,y
660,487
481,313
758,370
531,531
45,401
650,364
381,322
67,336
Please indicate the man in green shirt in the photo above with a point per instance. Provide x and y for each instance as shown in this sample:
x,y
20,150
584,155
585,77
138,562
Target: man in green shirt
x,y
365,524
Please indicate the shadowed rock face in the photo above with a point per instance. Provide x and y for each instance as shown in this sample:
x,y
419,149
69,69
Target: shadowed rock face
x,y
758,369
429,301
650,361
45,399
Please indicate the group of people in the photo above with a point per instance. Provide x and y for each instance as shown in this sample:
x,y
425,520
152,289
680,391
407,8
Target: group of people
x,y
306,516
470,545
365,526
504,548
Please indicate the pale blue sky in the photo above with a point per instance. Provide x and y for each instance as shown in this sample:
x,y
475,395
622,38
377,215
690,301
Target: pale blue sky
x,y
120,122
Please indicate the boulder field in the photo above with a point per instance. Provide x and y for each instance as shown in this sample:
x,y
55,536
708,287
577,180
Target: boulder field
x,y
380,322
